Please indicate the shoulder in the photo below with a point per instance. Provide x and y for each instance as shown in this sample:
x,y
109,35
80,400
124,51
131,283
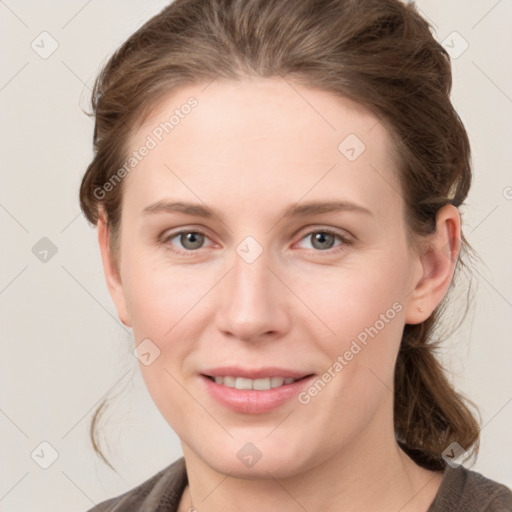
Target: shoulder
x,y
465,490
160,492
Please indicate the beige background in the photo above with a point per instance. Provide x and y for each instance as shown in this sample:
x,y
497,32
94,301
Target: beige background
x,y
62,346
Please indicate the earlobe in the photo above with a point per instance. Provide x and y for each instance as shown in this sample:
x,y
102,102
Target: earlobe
x,y
437,264
112,272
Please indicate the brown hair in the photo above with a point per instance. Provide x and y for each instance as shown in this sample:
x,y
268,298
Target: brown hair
x,y
380,53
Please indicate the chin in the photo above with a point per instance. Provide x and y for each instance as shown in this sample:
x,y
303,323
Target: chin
x,y
278,467
258,460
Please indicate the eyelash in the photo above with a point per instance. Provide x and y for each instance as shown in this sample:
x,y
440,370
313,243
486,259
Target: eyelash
x,y
337,249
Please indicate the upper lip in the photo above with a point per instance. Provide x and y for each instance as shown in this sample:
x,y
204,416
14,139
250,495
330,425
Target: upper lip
x,y
254,373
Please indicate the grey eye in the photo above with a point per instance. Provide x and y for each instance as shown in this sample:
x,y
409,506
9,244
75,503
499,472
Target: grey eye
x,y
191,240
322,240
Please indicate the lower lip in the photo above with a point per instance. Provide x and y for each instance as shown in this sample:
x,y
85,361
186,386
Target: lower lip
x,y
250,401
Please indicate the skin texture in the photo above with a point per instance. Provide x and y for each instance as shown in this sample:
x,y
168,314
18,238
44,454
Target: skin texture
x,y
249,150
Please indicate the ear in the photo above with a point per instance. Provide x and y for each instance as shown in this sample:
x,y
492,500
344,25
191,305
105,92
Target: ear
x,y
436,266
112,274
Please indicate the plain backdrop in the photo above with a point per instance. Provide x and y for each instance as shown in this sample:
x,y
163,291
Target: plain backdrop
x,y
63,349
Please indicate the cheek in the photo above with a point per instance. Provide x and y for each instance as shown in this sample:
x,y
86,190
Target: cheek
x,y
164,304
160,296
365,311
169,305
349,298
363,307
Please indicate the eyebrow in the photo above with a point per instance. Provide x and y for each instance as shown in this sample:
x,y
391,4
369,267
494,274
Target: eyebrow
x,y
295,210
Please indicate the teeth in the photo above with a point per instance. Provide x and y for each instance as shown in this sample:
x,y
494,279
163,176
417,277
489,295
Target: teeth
x,y
257,384
275,382
228,381
242,383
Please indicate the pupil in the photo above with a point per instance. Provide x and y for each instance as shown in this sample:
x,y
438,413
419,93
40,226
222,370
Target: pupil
x,y
192,240
322,238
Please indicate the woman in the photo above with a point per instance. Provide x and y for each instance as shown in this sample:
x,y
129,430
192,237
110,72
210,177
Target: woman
x,y
276,188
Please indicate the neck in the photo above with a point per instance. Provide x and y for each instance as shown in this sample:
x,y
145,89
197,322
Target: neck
x,y
371,473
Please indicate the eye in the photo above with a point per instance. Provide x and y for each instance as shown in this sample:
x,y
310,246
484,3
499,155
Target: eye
x,y
189,240
325,239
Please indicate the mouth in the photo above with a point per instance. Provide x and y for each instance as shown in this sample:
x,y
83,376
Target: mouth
x,y
261,384
253,391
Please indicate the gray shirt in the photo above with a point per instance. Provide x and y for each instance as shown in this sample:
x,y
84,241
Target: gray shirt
x,y
461,490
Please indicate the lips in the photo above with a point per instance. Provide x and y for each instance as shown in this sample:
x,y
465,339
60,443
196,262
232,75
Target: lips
x,y
253,391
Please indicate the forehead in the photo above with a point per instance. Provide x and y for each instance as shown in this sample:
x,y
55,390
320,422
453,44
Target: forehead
x,y
263,108
251,136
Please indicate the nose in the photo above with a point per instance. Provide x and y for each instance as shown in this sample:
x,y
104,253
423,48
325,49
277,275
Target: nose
x,y
253,302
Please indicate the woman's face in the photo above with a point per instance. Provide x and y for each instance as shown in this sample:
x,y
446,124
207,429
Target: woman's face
x,y
286,257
